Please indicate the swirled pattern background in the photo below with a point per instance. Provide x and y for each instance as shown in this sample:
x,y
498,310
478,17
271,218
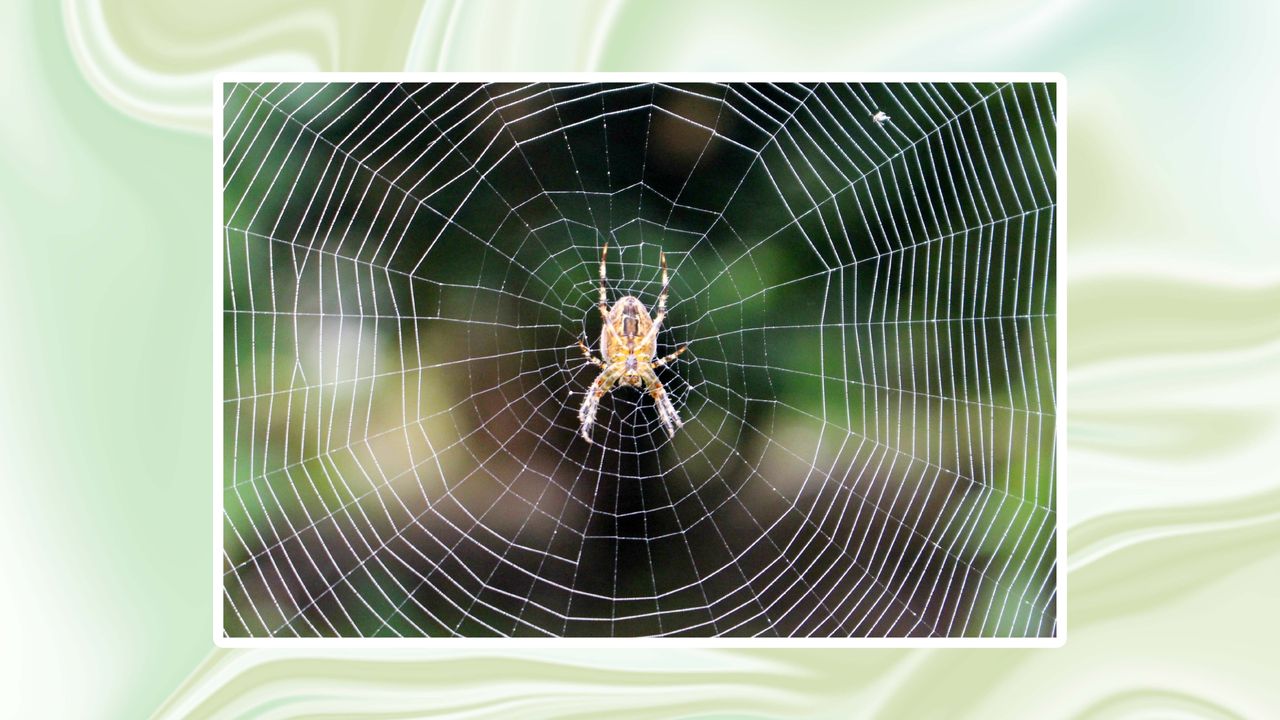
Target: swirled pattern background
x,y
1174,364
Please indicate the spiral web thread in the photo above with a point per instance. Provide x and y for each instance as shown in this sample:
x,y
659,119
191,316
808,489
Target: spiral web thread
x,y
868,395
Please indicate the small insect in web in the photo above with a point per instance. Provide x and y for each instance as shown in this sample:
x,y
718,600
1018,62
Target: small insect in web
x,y
628,342
880,118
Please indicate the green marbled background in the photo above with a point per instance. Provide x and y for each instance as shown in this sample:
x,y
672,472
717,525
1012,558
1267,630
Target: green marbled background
x,y
1174,365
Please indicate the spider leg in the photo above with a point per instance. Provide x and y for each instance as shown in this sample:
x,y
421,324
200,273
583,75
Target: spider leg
x,y
604,302
666,410
652,335
586,352
608,331
663,361
662,296
591,400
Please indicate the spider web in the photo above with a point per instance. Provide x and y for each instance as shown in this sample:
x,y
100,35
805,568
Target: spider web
x,y
868,393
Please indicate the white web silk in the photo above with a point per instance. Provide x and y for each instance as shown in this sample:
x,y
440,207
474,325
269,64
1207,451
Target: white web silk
x,y
868,394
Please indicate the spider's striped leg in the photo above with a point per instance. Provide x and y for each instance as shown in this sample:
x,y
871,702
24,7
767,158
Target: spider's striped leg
x,y
608,334
604,302
666,410
662,296
652,335
586,352
663,361
591,400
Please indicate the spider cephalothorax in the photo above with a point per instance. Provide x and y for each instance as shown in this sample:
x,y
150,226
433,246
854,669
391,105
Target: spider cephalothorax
x,y
628,342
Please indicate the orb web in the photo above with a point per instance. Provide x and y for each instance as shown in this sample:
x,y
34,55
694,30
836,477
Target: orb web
x,y
868,396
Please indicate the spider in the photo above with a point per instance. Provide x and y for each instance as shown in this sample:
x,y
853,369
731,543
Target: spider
x,y
628,341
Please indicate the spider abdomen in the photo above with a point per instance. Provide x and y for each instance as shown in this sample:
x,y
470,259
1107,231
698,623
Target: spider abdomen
x,y
631,323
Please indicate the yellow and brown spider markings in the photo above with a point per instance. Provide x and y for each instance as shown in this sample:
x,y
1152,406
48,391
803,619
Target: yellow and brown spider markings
x,y
628,341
